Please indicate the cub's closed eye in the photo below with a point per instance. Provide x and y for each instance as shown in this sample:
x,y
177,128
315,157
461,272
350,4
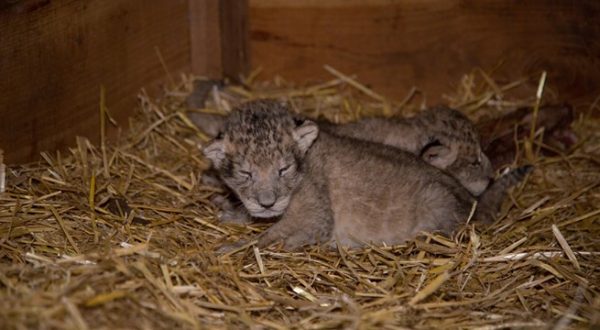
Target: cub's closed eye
x,y
247,174
284,170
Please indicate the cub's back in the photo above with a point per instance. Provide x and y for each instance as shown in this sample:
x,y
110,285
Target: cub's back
x,y
382,194
443,137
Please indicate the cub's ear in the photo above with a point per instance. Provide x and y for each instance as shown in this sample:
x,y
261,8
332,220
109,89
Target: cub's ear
x,y
208,123
305,134
215,151
439,156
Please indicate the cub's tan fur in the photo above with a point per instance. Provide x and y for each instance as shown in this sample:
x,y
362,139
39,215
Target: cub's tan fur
x,y
324,187
443,137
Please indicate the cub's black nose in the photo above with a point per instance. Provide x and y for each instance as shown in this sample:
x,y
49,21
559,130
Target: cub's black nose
x,y
266,199
267,205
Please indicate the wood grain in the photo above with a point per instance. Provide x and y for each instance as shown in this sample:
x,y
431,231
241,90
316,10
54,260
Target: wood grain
x,y
395,44
205,38
54,55
219,38
234,38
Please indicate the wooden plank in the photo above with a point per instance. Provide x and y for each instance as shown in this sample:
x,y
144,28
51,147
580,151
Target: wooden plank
x,y
54,55
205,34
234,38
392,45
219,38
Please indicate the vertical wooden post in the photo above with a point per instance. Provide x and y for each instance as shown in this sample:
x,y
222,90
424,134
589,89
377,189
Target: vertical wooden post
x,y
234,38
205,38
219,38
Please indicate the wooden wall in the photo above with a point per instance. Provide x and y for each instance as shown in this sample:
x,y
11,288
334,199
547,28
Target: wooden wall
x,y
392,45
55,54
219,34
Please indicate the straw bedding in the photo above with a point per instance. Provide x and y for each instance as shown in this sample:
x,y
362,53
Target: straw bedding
x,y
122,235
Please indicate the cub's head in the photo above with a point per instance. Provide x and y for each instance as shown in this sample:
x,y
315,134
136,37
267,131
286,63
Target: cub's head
x,y
259,154
468,164
456,148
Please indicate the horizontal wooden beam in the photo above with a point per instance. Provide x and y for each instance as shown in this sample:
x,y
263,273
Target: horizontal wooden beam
x,y
393,45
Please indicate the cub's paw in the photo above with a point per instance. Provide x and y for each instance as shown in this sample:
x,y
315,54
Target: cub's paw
x,y
234,216
230,247
230,211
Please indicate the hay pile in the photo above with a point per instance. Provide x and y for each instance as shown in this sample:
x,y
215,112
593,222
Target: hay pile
x,y
122,236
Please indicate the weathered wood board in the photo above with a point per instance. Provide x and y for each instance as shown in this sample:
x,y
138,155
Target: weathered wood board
x,y
393,45
55,55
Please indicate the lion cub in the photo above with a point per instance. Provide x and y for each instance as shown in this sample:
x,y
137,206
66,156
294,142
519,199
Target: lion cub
x,y
443,137
323,187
